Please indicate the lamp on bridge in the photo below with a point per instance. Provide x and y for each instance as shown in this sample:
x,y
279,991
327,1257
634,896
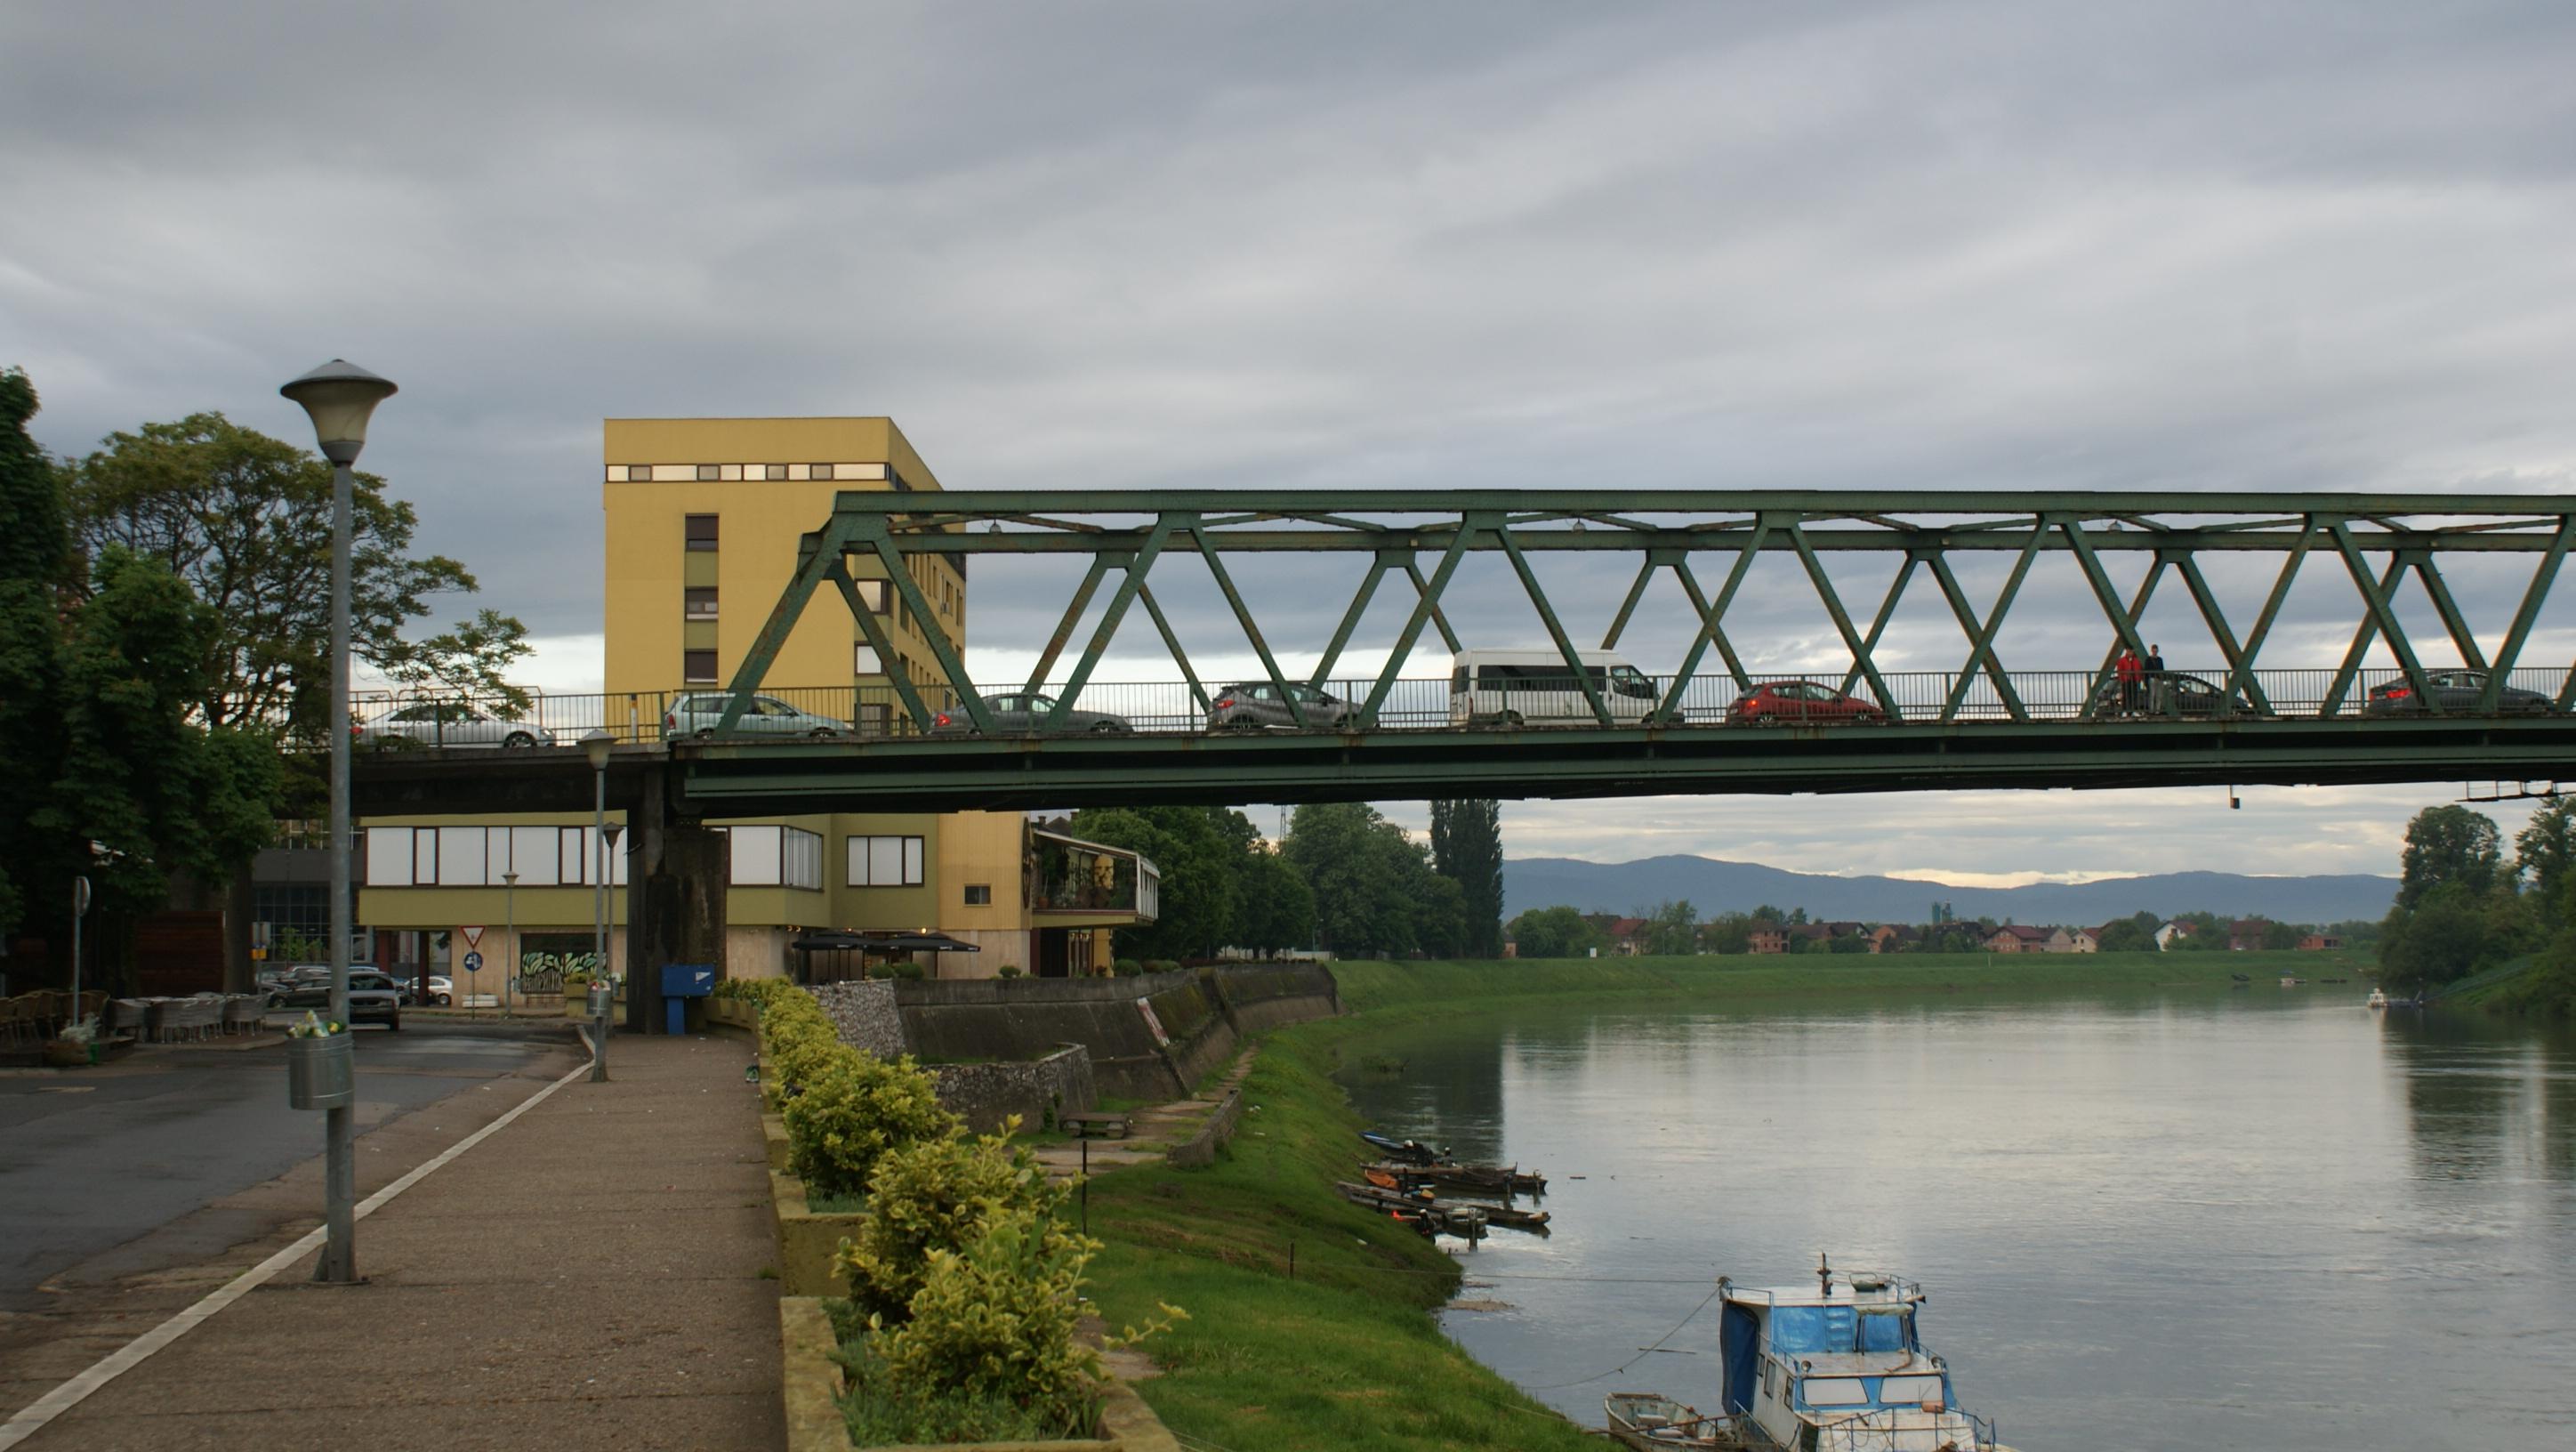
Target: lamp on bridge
x,y
340,397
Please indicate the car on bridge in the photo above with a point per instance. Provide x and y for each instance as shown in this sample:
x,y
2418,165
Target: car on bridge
x,y
2458,692
2175,694
1026,713
445,723
1802,703
1257,705
696,717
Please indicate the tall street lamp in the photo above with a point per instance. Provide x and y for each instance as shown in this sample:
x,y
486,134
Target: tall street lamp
x,y
340,396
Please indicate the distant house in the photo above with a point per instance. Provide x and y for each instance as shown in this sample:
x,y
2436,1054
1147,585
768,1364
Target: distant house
x,y
1511,947
2166,935
1766,936
2319,942
2083,940
1627,936
1893,938
2017,938
2245,935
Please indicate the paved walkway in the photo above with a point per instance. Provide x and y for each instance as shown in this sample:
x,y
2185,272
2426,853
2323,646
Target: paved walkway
x,y
588,1276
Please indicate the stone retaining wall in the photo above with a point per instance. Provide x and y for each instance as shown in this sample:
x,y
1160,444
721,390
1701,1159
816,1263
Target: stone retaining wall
x,y
1204,1015
1038,1090
1199,1150
863,1010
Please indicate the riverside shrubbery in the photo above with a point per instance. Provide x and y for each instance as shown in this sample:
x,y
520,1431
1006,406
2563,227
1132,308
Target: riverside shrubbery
x,y
965,1285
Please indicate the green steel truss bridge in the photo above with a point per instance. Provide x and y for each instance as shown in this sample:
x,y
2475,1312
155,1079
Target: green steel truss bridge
x,y
2480,711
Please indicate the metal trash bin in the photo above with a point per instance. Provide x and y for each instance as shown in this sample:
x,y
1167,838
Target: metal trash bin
x,y
321,1073
680,983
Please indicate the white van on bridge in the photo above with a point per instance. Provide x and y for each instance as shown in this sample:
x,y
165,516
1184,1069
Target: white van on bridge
x,y
1535,687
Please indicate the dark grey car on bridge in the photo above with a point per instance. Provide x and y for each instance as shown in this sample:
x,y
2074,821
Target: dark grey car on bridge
x,y
2458,692
1254,705
1026,713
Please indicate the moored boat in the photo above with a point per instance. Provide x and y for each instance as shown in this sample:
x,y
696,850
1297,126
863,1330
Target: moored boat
x,y
2377,999
1379,1198
1839,1367
1496,1179
1650,1420
1408,1151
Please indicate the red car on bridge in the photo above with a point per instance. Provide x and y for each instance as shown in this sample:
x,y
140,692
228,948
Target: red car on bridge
x,y
1802,703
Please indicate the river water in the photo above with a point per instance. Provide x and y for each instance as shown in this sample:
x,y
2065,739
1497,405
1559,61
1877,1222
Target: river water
x,y
2265,1218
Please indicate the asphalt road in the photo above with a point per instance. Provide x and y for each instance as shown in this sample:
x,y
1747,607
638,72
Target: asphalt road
x,y
90,1162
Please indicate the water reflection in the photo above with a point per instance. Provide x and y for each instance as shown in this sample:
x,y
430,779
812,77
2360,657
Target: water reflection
x,y
2250,1219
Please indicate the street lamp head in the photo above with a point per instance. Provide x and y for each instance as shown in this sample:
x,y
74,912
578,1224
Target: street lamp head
x,y
340,396
595,746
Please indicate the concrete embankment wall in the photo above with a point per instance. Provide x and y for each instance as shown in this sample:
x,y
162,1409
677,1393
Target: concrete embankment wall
x,y
1203,1013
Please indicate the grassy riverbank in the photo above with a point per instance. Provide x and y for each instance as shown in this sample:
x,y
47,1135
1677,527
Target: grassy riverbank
x,y
1344,1355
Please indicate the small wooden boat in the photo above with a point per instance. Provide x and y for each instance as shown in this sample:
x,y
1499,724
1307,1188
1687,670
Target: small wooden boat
x,y
1499,1179
1651,1420
1380,1198
1383,1179
1408,1151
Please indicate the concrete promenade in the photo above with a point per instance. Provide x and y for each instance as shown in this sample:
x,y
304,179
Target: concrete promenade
x,y
590,1275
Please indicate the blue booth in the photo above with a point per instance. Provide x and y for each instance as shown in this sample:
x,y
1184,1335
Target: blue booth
x,y
680,983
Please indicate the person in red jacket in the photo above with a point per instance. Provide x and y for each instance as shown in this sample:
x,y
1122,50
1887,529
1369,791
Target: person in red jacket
x,y
2130,671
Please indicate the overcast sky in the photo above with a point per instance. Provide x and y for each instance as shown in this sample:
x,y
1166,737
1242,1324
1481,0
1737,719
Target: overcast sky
x,y
2179,246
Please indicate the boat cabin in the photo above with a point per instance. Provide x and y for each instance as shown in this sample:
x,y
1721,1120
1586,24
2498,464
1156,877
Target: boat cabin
x,y
1839,1367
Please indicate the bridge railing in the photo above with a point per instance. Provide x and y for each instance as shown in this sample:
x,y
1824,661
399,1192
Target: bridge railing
x,y
416,720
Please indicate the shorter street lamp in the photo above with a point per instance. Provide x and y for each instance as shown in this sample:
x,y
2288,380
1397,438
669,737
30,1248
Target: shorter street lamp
x,y
596,746
510,927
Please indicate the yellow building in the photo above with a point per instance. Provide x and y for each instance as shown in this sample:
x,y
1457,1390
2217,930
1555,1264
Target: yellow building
x,y
703,518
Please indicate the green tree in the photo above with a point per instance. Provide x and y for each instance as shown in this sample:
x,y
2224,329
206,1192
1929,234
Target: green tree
x,y
2446,846
35,566
2125,936
245,521
1555,932
2545,853
2281,937
1367,876
2441,939
1277,909
1467,847
1727,933
1672,929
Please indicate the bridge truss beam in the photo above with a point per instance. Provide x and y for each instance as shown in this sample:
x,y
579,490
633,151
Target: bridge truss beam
x,y
1130,532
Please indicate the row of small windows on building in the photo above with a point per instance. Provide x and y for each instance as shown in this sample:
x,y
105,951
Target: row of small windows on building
x,y
710,473
758,856
733,473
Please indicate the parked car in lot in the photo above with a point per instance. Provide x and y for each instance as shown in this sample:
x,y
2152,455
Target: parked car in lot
x,y
1026,713
2173,694
2456,691
1802,703
445,723
1255,705
442,990
696,716
372,996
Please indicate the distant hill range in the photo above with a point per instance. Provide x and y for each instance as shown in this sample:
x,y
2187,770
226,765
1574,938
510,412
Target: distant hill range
x,y
1713,886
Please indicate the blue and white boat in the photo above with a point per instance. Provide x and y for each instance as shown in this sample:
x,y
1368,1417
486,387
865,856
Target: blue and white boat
x,y
1839,1366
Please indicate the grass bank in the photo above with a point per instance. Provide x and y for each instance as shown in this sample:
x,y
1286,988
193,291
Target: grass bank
x,y
1344,1355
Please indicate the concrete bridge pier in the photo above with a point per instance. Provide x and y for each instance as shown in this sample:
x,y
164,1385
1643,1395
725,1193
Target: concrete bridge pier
x,y
675,897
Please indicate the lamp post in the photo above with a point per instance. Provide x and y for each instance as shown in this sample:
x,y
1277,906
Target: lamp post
x,y
339,396
510,927
595,746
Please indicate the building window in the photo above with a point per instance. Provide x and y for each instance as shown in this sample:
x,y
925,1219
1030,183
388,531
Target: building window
x,y
885,862
639,473
697,667
818,471
864,660
775,857
698,602
873,594
979,894
700,530
773,471
708,473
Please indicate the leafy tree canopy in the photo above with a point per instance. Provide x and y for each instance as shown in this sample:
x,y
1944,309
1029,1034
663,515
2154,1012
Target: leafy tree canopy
x,y
2448,846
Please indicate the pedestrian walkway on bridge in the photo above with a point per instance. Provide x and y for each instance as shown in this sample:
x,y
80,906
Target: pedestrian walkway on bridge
x,y
596,1273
